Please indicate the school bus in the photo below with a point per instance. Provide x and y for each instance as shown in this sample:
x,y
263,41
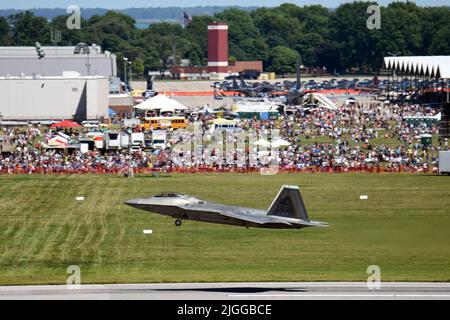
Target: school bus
x,y
156,123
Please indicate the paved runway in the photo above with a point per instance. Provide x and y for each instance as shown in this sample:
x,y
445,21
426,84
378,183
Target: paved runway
x,y
234,291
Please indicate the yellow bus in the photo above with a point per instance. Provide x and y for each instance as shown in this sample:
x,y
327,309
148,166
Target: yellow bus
x,y
164,123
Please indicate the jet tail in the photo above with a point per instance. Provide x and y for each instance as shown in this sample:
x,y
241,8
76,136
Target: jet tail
x,y
289,204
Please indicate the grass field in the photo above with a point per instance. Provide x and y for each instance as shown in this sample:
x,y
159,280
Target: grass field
x,y
404,228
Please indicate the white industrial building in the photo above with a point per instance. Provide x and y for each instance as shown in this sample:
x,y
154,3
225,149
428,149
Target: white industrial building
x,y
86,60
71,96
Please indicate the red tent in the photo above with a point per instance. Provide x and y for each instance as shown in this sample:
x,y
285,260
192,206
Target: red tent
x,y
65,124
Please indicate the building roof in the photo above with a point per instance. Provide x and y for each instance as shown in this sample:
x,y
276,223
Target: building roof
x,y
39,77
239,66
50,51
432,66
159,102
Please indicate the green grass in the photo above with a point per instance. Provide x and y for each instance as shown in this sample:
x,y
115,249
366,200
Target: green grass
x,y
404,228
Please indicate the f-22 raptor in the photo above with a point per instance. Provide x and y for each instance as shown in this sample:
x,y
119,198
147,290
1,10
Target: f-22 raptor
x,y
287,210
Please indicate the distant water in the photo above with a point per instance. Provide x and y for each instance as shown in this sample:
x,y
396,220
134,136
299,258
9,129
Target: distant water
x,y
141,25
144,23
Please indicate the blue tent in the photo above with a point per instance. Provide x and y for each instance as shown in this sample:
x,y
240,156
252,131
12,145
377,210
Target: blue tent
x,y
264,115
111,112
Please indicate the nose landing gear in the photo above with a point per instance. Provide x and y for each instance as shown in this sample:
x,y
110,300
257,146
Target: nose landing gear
x,y
178,222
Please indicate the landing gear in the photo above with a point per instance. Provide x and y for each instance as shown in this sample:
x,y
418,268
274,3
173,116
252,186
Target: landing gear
x,y
178,222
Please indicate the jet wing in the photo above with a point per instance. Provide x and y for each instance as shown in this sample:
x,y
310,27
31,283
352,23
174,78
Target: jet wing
x,y
254,219
269,219
250,215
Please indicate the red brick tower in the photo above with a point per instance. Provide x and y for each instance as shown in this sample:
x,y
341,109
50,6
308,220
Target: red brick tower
x,y
218,48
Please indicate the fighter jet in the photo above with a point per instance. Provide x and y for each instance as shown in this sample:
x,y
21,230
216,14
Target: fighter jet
x,y
287,210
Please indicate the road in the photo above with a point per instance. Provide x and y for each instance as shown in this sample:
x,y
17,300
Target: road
x,y
233,291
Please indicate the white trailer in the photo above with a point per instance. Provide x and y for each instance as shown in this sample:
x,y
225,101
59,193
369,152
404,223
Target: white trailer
x,y
124,140
159,139
98,137
113,140
137,141
444,162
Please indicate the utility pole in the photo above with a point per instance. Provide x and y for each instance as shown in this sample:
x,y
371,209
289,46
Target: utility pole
x,y
131,73
299,79
125,60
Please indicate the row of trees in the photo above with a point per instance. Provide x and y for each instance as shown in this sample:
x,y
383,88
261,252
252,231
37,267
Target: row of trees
x,y
337,39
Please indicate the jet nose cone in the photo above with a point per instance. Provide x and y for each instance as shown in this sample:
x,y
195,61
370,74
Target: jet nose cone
x,y
133,203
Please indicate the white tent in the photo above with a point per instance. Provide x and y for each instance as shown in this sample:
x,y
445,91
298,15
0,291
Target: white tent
x,y
280,143
159,102
323,101
262,142
432,66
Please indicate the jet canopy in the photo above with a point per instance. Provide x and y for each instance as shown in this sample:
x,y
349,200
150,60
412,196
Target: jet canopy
x,y
169,195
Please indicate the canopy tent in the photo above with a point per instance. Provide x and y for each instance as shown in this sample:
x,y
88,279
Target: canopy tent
x,y
65,124
223,122
275,144
280,143
111,112
160,102
262,142
430,66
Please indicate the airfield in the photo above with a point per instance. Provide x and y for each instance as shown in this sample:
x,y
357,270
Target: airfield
x,y
234,291
402,227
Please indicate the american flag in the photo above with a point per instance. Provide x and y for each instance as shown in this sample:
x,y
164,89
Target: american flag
x,y
186,18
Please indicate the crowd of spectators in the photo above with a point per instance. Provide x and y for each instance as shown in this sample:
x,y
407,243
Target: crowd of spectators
x,y
370,137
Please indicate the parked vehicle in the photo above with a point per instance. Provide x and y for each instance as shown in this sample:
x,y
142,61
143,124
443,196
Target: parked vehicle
x,y
159,139
113,140
165,123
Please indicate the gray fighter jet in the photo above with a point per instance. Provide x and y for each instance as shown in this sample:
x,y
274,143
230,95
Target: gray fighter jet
x,y
287,210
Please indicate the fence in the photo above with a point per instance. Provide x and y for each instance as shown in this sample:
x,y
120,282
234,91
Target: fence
x,y
205,169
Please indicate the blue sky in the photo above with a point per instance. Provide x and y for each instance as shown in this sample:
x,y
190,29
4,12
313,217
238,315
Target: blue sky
x,y
119,4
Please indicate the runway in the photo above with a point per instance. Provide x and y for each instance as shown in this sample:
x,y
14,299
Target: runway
x,y
233,291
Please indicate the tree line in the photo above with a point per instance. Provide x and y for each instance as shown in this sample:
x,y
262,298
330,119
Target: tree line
x,y
150,13
337,39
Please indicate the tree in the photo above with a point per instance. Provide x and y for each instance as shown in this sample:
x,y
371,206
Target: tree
x,y
112,23
440,44
195,56
311,46
278,29
335,38
166,29
5,32
315,19
138,67
433,19
401,29
68,37
29,29
197,33
255,49
283,60
240,24
354,40
152,62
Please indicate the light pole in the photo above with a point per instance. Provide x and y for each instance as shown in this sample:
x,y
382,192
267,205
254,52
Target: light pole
x,y
125,60
393,72
131,73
